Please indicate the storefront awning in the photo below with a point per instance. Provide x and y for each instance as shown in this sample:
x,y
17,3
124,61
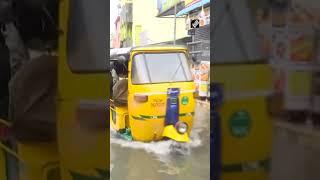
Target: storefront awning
x,y
193,7
182,41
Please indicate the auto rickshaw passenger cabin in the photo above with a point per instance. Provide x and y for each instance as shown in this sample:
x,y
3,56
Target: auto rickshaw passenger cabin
x,y
160,96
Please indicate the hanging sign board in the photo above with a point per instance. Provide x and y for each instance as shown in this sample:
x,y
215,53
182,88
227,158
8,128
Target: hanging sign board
x,y
164,5
188,3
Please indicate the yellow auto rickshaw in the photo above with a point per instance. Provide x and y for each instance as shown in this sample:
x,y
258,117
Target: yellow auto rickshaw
x,y
154,96
79,149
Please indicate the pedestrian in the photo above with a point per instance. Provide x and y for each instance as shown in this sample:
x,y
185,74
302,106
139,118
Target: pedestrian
x,y
115,78
113,73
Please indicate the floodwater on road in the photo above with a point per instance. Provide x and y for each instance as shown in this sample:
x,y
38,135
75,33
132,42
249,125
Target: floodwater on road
x,y
156,161
296,153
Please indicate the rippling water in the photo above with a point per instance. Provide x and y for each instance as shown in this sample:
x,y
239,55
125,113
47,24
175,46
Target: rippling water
x,y
157,161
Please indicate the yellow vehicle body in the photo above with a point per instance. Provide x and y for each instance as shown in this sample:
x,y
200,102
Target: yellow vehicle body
x,y
147,120
247,156
81,151
3,169
120,119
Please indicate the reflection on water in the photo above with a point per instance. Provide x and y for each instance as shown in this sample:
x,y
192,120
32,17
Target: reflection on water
x,y
159,161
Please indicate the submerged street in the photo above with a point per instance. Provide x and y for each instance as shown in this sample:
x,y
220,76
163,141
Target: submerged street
x,y
158,161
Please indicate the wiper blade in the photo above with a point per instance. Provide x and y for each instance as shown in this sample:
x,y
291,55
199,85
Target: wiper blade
x,y
175,73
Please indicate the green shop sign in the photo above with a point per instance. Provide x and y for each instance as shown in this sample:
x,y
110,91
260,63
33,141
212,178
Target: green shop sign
x,y
240,124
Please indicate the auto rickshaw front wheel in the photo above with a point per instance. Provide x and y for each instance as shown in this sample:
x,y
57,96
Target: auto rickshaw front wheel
x,y
126,134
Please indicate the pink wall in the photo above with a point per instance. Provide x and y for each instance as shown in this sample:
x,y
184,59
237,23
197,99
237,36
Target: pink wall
x,y
116,39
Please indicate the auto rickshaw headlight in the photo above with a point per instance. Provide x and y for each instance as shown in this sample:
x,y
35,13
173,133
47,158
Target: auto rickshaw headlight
x,y
182,127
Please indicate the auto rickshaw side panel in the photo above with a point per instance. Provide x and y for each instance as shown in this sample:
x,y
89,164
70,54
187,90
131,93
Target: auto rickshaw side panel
x,y
245,123
118,118
82,137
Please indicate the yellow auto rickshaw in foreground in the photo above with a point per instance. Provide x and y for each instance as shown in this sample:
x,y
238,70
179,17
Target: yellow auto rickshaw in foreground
x,y
79,149
153,98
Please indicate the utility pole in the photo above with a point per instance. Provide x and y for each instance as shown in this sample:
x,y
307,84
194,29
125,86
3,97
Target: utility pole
x,y
175,23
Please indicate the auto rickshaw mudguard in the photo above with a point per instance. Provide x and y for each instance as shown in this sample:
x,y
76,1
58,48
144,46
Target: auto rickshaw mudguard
x,y
171,132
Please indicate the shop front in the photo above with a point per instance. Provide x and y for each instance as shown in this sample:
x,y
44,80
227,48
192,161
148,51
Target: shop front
x,y
199,47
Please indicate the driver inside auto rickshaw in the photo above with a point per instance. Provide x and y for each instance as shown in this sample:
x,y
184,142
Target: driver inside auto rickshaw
x,y
120,88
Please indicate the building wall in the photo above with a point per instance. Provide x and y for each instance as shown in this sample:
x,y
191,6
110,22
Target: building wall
x,y
148,29
126,24
126,34
201,34
111,40
116,38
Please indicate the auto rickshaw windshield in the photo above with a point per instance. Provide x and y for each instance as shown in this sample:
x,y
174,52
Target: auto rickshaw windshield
x,y
149,68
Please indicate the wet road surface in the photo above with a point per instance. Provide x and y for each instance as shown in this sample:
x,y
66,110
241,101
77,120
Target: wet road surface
x,y
296,152
156,161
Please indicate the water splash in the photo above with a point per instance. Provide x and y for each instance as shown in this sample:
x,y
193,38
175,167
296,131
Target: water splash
x,y
201,123
163,151
157,148
167,152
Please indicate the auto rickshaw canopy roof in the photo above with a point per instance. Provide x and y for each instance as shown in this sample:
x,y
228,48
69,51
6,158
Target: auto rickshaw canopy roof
x,y
159,48
117,52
